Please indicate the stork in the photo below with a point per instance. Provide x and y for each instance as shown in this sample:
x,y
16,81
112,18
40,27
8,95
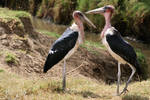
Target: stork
x,y
67,44
119,49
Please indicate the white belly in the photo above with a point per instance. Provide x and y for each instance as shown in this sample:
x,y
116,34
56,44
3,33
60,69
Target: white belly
x,y
114,55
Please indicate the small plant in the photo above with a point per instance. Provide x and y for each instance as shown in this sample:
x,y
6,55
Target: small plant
x,y
1,53
142,61
10,58
1,70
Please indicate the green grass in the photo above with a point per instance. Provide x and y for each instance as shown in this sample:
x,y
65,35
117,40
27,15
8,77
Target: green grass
x,y
142,60
7,15
52,34
91,46
140,56
1,53
1,70
10,58
12,14
94,44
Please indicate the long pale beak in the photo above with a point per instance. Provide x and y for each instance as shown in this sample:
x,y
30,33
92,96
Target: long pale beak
x,y
96,11
86,20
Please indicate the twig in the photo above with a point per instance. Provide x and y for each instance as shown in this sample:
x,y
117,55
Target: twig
x,y
75,69
72,75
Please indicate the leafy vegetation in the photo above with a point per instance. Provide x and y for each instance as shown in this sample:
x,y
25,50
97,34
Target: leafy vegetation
x,y
57,11
10,58
143,63
131,17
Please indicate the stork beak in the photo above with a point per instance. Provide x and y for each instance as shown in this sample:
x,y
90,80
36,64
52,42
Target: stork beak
x,y
86,20
96,11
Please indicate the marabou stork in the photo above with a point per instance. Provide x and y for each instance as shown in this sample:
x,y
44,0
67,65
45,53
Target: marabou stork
x,y
67,44
121,50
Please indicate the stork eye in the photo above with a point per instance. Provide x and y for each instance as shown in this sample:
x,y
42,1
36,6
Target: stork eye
x,y
80,14
106,7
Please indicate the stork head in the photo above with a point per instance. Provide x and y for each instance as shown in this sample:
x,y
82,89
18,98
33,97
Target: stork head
x,y
108,9
79,17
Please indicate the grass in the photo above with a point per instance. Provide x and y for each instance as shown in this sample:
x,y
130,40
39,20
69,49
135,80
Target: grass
x,y
10,58
52,34
1,53
90,43
12,14
7,15
134,97
91,46
17,87
1,70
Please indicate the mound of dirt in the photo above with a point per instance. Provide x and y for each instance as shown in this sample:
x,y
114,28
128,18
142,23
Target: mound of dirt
x,y
30,49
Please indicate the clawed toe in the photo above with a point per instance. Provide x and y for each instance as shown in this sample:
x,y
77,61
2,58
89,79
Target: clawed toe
x,y
124,91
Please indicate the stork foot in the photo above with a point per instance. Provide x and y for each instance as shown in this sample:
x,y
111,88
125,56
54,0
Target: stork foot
x,y
125,90
63,90
117,94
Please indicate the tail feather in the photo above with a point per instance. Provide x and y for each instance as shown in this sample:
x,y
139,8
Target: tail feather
x,y
52,59
48,65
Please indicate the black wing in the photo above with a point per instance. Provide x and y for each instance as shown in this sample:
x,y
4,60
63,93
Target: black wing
x,y
123,49
60,48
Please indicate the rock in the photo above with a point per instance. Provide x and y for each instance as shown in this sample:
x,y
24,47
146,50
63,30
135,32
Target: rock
x,y
2,31
4,36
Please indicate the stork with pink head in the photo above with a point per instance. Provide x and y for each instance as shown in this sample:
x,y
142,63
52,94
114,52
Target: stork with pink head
x,y
119,49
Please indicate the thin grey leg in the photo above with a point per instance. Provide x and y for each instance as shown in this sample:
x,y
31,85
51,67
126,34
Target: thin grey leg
x,y
133,71
119,75
64,76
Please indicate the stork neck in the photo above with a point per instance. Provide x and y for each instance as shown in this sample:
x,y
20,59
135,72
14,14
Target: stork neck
x,y
107,23
79,27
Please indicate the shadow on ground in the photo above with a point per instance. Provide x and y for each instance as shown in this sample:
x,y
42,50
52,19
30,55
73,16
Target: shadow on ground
x,y
85,94
134,97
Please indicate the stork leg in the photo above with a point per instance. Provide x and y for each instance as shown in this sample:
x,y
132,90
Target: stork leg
x,y
119,74
64,76
133,71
